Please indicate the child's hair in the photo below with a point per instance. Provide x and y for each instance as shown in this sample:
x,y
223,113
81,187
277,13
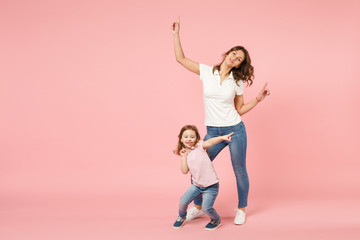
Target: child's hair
x,y
180,145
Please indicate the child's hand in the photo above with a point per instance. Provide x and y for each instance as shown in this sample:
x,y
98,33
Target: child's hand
x,y
227,137
184,152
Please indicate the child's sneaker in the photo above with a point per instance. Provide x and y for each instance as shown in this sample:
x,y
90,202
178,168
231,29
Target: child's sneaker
x,y
194,213
213,225
179,222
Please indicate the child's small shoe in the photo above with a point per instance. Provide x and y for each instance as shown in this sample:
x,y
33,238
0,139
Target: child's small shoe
x,y
213,225
179,222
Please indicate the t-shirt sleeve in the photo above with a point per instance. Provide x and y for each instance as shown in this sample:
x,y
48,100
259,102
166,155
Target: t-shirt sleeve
x,y
239,87
204,71
200,145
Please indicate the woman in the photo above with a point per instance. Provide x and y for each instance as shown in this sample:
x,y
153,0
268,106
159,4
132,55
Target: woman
x,y
224,104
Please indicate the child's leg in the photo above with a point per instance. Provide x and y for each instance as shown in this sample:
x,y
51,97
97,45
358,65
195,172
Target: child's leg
x,y
187,198
209,196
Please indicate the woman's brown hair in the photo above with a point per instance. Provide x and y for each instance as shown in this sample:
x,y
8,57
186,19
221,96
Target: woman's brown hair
x,y
245,71
180,145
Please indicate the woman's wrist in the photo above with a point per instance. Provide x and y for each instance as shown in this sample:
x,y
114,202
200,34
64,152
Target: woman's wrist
x,y
258,100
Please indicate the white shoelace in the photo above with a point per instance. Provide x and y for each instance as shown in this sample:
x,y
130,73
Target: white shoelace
x,y
238,211
192,211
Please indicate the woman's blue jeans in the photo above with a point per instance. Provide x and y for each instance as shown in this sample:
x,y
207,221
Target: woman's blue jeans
x,y
210,193
237,148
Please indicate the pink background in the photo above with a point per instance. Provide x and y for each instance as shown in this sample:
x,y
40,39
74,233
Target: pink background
x,y
92,100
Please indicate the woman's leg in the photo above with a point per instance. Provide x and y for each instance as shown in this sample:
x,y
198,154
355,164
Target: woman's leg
x,y
237,147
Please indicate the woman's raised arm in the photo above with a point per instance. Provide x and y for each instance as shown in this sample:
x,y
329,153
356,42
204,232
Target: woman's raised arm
x,y
179,54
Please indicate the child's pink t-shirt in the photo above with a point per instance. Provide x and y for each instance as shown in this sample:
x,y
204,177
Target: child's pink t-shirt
x,y
202,171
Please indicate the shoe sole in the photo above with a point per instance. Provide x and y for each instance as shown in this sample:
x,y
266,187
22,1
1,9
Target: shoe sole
x,y
189,219
239,223
179,226
209,229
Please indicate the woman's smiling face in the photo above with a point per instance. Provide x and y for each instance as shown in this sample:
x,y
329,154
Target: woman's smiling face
x,y
235,58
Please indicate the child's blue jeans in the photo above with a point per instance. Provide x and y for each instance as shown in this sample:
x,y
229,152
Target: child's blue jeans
x,y
209,195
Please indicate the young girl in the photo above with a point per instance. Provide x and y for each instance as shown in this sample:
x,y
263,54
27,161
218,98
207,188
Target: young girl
x,y
203,176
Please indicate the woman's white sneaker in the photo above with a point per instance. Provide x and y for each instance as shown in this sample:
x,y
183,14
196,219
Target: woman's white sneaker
x,y
240,217
194,213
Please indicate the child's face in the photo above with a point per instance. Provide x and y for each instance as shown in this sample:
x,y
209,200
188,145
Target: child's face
x,y
188,138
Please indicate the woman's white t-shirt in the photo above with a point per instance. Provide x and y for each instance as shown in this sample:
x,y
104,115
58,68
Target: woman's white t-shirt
x,y
219,98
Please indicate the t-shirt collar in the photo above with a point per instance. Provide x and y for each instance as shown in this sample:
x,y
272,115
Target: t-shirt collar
x,y
216,72
193,147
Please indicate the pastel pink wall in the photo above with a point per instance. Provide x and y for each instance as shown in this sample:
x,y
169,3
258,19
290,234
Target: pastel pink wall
x,y
92,99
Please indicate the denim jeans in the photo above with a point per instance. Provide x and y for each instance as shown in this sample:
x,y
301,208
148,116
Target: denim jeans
x,y
209,195
237,148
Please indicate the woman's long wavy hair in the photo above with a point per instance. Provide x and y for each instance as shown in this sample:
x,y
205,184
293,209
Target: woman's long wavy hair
x,y
245,71
180,145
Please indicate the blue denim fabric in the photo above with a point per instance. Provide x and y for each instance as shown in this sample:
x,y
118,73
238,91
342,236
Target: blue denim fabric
x,y
237,148
209,195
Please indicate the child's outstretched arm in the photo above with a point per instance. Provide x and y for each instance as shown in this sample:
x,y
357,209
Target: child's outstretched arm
x,y
212,141
184,167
